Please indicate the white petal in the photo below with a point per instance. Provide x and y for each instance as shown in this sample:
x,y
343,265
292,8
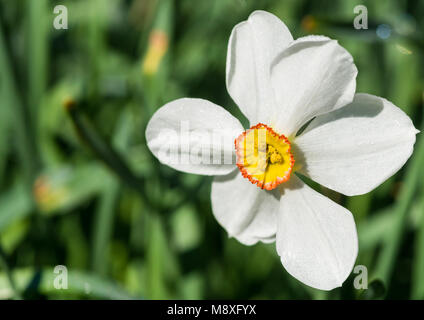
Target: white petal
x,y
247,212
252,47
313,76
354,149
194,136
316,238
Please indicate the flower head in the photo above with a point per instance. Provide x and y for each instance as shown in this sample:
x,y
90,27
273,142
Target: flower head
x,y
264,156
351,144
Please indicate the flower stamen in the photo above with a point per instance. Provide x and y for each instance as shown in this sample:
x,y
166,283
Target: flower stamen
x,y
273,155
264,157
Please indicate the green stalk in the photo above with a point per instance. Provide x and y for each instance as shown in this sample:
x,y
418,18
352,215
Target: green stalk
x,y
37,54
104,151
155,259
23,127
155,84
103,225
95,37
417,283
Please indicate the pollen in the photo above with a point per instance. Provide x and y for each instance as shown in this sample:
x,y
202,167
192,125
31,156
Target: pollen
x,y
273,155
264,156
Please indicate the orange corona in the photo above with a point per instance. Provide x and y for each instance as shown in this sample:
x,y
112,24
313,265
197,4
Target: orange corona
x,y
264,156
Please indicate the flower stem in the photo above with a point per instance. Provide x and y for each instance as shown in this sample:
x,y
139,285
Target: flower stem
x,y
26,143
104,151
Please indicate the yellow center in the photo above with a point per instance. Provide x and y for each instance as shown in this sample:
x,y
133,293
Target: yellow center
x,y
273,155
264,157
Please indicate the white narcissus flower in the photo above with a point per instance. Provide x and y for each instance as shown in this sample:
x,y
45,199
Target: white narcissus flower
x,y
353,144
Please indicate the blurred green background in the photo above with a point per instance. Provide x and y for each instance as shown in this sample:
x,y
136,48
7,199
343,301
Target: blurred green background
x,y
78,186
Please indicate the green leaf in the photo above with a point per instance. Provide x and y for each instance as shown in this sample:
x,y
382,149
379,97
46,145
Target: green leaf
x,y
15,205
13,235
80,284
417,279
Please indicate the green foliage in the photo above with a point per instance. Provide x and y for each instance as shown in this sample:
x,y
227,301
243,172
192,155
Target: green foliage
x,y
78,186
